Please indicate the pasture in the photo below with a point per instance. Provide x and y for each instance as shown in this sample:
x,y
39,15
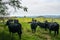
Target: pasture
x,y
27,34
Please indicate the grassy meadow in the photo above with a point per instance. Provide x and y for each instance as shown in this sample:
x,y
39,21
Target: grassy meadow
x,y
27,34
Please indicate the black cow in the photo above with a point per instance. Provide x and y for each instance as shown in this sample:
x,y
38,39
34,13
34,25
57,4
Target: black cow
x,y
33,26
14,27
53,26
41,25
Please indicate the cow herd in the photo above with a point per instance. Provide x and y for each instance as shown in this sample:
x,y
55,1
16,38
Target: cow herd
x,y
15,27
51,26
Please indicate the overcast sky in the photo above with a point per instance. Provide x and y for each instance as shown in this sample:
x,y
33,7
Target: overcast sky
x,y
38,7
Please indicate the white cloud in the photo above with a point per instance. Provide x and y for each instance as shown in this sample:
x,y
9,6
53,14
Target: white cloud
x,y
40,7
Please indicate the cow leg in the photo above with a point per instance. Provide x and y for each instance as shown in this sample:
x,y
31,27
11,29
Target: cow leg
x,y
11,35
57,32
50,31
34,30
45,29
19,35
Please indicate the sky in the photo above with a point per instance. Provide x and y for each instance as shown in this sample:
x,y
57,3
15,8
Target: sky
x,y
37,8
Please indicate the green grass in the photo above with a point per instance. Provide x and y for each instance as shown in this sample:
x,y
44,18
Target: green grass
x,y
27,34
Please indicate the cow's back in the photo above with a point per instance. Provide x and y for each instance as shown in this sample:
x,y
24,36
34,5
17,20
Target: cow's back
x,y
53,26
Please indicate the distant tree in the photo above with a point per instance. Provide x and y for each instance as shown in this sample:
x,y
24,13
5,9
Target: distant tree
x,y
24,16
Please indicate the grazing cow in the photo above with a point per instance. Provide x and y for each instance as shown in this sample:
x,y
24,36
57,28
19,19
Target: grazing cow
x,y
14,27
33,26
42,25
53,27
